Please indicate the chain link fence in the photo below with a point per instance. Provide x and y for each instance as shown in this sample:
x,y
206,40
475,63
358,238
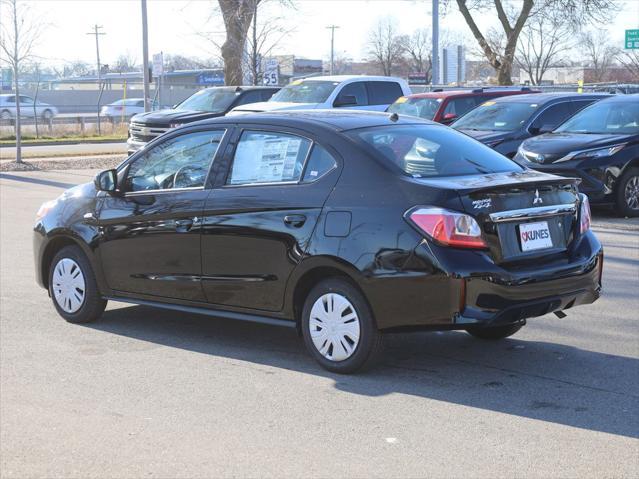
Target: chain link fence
x,y
92,109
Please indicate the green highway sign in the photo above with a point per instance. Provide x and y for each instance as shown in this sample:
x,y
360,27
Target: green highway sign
x,y
632,39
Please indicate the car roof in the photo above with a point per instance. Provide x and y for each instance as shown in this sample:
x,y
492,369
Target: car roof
x,y
634,97
343,78
334,119
241,88
480,91
543,98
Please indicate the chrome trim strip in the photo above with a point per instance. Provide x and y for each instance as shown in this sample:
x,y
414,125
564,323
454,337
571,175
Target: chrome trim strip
x,y
536,212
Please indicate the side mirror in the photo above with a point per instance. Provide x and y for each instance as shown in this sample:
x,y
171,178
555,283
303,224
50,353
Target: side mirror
x,y
106,180
345,100
449,118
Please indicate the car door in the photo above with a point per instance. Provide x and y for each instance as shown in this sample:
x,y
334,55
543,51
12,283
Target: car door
x,y
26,106
354,91
260,215
150,231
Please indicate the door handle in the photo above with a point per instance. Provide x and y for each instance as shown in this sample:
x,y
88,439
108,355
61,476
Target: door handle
x,y
296,221
183,225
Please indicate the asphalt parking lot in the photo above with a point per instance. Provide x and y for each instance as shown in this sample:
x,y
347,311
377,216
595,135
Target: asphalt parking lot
x,y
160,394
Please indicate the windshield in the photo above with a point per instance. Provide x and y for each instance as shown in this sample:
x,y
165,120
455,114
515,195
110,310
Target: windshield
x,y
215,100
431,151
605,117
305,91
421,107
497,116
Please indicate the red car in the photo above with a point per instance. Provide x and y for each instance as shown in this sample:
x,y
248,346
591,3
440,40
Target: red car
x,y
447,106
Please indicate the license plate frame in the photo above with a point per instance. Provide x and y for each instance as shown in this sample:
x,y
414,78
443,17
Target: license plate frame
x,y
534,236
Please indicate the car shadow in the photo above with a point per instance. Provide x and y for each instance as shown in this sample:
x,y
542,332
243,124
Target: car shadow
x,y
538,380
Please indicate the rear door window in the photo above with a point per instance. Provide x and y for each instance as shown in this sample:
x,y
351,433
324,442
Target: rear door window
x,y
263,157
383,92
319,163
254,96
425,151
553,116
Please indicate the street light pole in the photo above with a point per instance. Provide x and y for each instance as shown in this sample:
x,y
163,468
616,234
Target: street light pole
x,y
145,58
435,54
96,31
332,28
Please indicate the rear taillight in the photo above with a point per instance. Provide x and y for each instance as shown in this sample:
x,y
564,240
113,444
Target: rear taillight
x,y
584,214
447,227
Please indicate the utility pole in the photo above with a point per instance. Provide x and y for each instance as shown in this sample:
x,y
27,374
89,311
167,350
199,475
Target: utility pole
x,y
96,31
332,28
435,55
145,58
254,49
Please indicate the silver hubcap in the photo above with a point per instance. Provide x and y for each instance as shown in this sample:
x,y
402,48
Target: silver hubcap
x,y
68,285
334,327
632,193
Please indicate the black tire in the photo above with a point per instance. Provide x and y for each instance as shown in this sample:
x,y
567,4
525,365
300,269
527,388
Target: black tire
x,y
6,115
626,189
495,332
93,304
46,114
369,346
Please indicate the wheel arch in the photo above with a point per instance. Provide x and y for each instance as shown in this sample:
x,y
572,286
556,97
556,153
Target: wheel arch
x,y
55,244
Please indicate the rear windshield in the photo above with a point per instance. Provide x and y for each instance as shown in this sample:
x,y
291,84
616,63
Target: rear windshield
x,y
308,91
497,116
432,151
605,118
421,107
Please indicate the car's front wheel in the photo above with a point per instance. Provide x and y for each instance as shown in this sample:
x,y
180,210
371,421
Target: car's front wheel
x,y
338,327
47,115
6,115
73,288
628,193
495,332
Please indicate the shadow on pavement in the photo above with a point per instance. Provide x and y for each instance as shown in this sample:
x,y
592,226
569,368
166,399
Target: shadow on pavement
x,y
39,181
538,380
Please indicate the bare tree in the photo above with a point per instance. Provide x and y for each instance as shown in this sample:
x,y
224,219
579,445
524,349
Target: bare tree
x,y
514,15
385,45
419,51
600,53
125,63
630,60
267,31
18,36
543,41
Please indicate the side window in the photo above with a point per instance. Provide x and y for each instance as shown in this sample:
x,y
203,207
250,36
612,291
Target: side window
x,y
552,116
26,100
319,163
250,97
356,89
140,103
267,94
265,157
460,106
578,105
181,162
11,99
383,92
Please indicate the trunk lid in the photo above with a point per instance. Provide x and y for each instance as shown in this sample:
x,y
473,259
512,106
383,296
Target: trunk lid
x,y
522,215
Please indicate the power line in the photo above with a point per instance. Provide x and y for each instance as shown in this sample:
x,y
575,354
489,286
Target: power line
x,y
96,31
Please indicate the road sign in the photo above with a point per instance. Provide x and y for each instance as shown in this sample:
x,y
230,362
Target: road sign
x,y
632,39
158,64
271,72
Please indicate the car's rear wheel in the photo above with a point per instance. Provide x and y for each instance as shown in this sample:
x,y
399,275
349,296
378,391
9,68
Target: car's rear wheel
x,y
73,288
47,115
338,327
6,115
495,332
628,193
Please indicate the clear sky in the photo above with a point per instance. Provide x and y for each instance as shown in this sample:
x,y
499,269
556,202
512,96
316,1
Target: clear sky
x,y
174,26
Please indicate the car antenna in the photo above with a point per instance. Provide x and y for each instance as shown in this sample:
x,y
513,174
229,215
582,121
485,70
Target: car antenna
x,y
393,117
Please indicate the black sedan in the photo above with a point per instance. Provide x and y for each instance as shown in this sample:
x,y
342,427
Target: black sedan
x,y
503,123
599,145
345,225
